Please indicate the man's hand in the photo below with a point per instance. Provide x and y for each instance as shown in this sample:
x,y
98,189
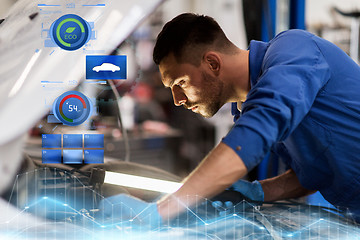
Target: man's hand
x,y
217,171
121,208
252,191
224,208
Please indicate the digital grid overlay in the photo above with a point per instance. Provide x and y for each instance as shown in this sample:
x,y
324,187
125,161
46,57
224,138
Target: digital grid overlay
x,y
71,210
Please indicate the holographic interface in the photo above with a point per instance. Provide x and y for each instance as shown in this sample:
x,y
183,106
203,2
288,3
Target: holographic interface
x,y
70,32
73,149
70,205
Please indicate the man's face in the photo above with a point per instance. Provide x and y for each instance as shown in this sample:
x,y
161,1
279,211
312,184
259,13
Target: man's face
x,y
195,88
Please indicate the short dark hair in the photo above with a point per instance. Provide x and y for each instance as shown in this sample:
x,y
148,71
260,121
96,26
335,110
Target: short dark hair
x,y
187,36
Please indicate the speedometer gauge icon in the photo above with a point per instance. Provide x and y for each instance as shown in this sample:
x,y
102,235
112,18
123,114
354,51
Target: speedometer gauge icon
x,y
72,108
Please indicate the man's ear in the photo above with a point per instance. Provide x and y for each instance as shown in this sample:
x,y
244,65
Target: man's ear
x,y
213,61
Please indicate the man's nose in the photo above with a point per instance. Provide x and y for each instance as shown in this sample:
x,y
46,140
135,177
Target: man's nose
x,y
179,96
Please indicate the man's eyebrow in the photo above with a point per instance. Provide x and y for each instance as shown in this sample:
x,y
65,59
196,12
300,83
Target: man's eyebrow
x,y
166,75
171,83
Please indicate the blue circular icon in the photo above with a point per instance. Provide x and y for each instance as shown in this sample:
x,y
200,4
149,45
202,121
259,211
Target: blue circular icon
x,y
72,108
70,32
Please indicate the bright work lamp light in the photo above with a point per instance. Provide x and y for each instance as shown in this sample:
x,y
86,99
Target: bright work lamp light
x,y
145,183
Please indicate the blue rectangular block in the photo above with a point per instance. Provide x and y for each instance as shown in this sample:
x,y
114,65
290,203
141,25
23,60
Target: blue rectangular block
x,y
51,140
72,156
106,67
93,156
72,141
49,43
94,141
51,156
93,35
52,119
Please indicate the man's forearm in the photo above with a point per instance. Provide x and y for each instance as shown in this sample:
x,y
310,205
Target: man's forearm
x,y
219,169
282,187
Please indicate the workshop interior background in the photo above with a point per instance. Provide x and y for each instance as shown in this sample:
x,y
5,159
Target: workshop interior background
x,y
169,138
153,110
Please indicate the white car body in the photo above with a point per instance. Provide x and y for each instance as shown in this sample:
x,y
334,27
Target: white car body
x,y
106,67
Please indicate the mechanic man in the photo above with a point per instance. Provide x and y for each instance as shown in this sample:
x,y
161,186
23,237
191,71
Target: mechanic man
x,y
298,96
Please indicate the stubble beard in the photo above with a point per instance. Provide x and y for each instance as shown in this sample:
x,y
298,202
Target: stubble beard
x,y
211,96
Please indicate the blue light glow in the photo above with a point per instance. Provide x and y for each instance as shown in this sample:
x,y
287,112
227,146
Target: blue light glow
x,y
71,220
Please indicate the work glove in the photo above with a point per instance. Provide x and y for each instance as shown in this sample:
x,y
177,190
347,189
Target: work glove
x,y
252,191
243,190
123,208
224,208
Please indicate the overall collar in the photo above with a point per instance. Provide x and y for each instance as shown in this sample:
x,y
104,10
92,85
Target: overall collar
x,y
256,56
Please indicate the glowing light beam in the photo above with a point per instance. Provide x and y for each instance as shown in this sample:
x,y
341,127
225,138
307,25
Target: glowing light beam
x,y
145,183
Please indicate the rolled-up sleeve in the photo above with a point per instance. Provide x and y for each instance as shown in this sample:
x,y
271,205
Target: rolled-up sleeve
x,y
280,98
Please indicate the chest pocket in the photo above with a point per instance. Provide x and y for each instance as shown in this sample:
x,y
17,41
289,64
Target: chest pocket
x,y
306,148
